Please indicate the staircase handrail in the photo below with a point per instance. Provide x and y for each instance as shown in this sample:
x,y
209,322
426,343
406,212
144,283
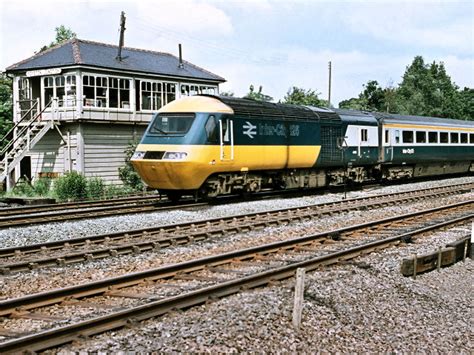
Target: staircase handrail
x,y
13,141
18,122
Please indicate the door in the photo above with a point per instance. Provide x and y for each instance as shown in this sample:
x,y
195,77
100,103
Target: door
x,y
226,139
388,156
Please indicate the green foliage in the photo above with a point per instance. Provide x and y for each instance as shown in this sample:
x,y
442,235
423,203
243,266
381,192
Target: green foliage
x,y
259,96
300,96
127,174
6,108
71,186
42,186
95,188
425,90
63,34
24,188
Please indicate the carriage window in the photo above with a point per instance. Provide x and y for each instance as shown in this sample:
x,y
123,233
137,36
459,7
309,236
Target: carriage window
x,y
443,137
364,135
454,137
211,129
433,137
166,124
464,138
407,136
420,137
397,136
471,138
387,136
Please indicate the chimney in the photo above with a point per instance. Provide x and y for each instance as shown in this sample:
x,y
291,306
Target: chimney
x,y
180,65
122,30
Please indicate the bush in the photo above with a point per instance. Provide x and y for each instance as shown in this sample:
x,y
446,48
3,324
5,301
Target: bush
x,y
42,186
127,174
95,188
23,188
72,186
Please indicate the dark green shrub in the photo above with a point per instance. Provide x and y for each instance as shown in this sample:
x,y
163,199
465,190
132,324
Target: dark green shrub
x,y
72,186
127,174
23,188
42,186
95,188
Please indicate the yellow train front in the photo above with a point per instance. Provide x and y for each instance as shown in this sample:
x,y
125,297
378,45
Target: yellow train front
x,y
200,146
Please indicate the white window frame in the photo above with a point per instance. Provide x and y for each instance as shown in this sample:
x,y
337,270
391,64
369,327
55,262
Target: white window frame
x,y
107,96
163,94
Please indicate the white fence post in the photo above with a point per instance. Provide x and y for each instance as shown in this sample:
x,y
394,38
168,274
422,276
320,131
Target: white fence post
x,y
299,294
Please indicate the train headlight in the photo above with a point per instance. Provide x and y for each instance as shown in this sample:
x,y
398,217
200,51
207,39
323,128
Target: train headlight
x,y
175,155
138,155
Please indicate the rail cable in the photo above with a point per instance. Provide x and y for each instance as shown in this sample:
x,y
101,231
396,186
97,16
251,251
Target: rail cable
x,y
69,251
217,276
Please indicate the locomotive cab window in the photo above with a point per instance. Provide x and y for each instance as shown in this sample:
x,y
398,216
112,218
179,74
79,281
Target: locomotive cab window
x,y
433,137
211,129
407,136
171,124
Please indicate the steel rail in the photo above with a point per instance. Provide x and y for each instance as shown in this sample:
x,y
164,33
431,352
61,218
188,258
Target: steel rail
x,y
62,335
184,233
98,287
24,210
95,212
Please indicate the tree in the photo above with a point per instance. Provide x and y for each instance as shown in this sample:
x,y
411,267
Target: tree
x,y
466,98
6,108
427,90
299,96
372,98
63,34
258,96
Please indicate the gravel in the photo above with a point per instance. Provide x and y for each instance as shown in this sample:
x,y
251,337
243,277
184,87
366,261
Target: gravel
x,y
363,306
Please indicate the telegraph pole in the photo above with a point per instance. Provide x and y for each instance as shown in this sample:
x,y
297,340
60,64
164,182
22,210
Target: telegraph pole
x,y
122,31
329,89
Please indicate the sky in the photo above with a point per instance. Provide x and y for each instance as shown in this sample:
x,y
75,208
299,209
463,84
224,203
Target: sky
x,y
273,43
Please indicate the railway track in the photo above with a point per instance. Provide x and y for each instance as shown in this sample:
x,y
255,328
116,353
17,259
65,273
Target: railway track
x,y
25,216
69,251
180,286
94,210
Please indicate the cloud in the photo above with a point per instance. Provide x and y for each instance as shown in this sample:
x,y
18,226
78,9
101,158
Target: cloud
x,y
422,24
185,17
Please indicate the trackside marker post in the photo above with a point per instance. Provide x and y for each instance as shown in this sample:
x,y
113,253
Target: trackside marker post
x,y
299,293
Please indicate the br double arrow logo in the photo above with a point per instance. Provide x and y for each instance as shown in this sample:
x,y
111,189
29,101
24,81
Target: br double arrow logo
x,y
249,129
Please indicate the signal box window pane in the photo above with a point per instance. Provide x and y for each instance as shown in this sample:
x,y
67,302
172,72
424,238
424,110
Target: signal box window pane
x,y
420,137
443,137
433,137
454,137
464,138
407,136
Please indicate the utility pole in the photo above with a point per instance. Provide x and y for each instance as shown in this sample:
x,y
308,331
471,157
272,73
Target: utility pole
x,y
122,31
329,89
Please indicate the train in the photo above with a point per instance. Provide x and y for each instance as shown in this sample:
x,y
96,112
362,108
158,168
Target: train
x,y
208,146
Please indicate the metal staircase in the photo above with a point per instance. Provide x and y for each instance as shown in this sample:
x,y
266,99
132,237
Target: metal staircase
x,y
27,132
